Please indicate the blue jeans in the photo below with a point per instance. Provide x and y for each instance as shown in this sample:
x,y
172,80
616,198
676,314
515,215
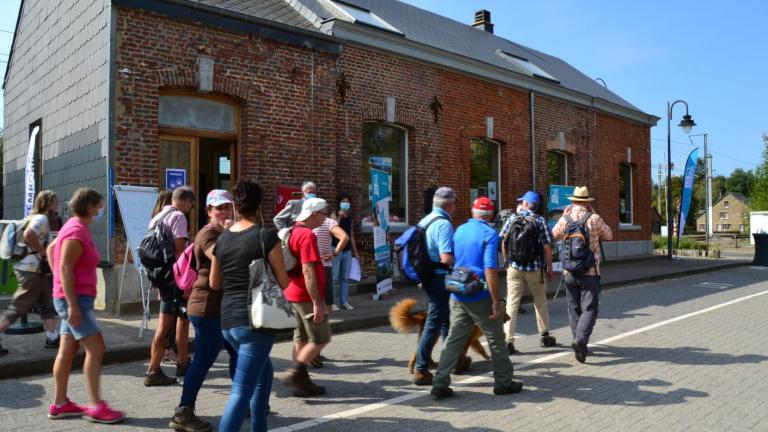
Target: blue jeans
x,y
88,324
437,319
208,342
341,266
253,379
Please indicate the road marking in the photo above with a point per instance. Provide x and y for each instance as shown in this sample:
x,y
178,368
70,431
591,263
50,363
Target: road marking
x,y
715,285
477,378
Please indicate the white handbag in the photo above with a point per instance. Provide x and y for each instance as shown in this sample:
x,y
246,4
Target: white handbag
x,y
269,308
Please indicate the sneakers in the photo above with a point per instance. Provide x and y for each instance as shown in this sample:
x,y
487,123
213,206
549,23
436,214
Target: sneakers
x,y
579,351
298,379
184,419
69,409
441,392
158,378
170,358
462,365
3,351
511,348
181,368
102,413
514,387
334,307
347,306
422,378
547,341
52,343
317,362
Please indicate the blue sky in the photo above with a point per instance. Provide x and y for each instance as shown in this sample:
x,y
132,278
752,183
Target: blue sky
x,y
710,53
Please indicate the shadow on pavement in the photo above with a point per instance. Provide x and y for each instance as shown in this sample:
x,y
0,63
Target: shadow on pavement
x,y
382,424
694,356
21,395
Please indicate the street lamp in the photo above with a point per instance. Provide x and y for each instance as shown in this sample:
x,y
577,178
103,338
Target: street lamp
x,y
687,124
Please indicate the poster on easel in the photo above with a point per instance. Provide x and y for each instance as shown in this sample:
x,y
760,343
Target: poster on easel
x,y
381,195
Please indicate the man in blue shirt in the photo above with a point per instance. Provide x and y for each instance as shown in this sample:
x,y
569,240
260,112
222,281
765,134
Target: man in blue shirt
x,y
529,274
439,236
476,245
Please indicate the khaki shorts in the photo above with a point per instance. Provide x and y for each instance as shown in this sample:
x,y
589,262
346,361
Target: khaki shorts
x,y
35,289
308,331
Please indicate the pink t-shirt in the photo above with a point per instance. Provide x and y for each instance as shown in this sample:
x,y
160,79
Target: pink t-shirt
x,y
175,223
85,267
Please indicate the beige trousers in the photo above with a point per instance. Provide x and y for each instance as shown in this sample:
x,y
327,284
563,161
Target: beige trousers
x,y
516,282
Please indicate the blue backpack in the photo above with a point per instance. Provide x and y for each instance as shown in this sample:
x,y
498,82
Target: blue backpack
x,y
576,255
415,263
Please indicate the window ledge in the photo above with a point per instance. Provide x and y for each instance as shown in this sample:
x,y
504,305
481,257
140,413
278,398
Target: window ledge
x,y
629,227
394,227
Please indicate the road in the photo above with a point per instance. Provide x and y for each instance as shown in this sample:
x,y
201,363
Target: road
x,y
676,355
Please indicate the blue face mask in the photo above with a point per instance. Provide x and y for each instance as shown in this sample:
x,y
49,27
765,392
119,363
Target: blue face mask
x,y
345,206
311,195
99,215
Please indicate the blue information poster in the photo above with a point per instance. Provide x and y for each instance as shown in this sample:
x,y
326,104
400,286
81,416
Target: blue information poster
x,y
381,195
175,177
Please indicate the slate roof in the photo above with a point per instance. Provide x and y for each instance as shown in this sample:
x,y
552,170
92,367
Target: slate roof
x,y
273,10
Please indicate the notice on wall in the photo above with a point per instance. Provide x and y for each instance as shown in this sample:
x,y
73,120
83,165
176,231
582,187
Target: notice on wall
x,y
491,191
381,195
175,178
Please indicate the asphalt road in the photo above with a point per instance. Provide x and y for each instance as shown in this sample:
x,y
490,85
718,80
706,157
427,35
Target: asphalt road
x,y
680,354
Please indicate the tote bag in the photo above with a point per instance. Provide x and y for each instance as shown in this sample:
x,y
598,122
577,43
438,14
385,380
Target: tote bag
x,y
355,272
269,308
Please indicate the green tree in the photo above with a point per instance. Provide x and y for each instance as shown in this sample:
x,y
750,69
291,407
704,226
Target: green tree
x,y
741,181
760,184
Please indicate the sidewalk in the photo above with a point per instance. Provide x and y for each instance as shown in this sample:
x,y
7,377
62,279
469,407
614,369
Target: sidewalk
x,y
28,357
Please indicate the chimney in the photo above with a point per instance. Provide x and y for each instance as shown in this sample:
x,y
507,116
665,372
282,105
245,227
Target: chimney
x,y
483,21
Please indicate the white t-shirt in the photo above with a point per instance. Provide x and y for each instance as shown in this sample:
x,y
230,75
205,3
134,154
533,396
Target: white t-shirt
x,y
325,239
31,263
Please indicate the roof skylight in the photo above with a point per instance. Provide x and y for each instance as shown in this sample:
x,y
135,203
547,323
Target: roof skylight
x,y
363,16
525,66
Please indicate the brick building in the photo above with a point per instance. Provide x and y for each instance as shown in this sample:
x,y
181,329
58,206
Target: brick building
x,y
286,90
729,214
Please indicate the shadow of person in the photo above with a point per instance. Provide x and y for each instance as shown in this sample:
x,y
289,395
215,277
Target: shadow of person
x,y
604,355
25,395
395,424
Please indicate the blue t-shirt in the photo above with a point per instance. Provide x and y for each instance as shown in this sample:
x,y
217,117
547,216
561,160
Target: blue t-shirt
x,y
476,244
439,235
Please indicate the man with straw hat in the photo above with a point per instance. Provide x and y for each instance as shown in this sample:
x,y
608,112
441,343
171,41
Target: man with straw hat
x,y
582,281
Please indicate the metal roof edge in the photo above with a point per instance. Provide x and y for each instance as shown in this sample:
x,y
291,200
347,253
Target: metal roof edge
x,y
13,44
209,15
382,41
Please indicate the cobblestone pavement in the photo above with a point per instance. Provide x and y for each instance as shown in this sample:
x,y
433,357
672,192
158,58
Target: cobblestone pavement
x,y
680,354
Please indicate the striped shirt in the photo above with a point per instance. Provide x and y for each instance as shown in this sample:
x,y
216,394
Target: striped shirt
x,y
598,230
325,239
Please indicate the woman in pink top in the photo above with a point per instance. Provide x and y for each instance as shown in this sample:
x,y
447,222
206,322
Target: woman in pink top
x,y
74,261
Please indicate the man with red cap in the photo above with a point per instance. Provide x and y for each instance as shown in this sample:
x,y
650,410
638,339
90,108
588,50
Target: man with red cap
x,y
475,250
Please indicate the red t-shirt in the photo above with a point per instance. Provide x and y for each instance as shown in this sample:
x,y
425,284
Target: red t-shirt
x,y
303,245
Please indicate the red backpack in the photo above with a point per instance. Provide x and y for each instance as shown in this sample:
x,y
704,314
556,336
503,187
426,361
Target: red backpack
x,y
185,270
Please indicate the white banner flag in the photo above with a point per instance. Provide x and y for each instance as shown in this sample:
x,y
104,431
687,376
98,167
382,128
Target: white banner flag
x,y
29,173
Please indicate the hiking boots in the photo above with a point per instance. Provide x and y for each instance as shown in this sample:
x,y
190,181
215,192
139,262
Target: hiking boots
x,y
298,378
184,419
462,365
513,387
441,392
579,351
158,378
511,348
547,341
422,378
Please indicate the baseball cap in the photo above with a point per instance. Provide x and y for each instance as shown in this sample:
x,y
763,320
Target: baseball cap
x,y
310,206
218,197
483,203
530,196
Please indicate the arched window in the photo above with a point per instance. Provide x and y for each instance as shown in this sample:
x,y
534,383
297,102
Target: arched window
x,y
385,144
484,174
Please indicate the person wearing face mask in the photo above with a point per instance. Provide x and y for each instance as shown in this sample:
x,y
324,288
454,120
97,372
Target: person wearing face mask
x,y
34,273
172,305
204,310
288,214
343,260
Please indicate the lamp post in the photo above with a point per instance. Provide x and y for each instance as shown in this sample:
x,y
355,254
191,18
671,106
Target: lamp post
x,y
687,124
708,188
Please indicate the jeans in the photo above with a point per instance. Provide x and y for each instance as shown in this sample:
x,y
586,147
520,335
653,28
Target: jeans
x,y
88,324
437,320
208,342
341,266
583,294
253,379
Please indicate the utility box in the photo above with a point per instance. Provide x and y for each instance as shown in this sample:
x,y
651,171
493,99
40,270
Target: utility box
x,y
758,224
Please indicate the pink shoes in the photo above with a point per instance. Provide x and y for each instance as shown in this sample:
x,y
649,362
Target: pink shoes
x,y
102,413
69,409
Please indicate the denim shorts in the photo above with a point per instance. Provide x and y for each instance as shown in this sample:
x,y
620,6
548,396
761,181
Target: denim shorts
x,y
88,324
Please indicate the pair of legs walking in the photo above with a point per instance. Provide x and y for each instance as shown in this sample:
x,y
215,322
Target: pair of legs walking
x,y
436,324
517,281
170,315
34,290
583,300
341,265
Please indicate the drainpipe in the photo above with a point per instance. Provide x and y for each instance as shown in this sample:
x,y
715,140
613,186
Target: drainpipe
x,y
533,140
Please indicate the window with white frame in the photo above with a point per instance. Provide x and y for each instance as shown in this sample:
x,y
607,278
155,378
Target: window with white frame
x,y
725,204
625,193
484,170
723,215
384,143
557,168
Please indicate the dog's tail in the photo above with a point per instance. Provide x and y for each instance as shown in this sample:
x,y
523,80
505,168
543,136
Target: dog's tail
x,y
400,317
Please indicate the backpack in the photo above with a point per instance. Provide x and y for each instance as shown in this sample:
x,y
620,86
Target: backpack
x,y
522,240
288,258
415,263
576,255
11,248
185,270
157,254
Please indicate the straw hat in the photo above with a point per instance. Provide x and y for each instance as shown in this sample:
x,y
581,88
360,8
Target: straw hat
x,y
580,194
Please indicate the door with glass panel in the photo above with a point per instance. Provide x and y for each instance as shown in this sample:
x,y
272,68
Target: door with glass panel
x,y
179,153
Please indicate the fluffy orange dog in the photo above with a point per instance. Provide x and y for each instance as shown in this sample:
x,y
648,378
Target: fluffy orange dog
x,y
404,321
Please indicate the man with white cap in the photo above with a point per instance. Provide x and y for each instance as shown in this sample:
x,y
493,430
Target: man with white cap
x,y
306,292
476,248
527,248
439,236
582,282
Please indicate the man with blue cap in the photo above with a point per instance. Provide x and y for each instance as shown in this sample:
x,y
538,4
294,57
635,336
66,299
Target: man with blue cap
x,y
527,249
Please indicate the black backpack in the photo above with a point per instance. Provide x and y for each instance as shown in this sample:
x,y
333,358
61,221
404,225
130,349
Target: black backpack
x,y
157,254
415,263
522,240
577,257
